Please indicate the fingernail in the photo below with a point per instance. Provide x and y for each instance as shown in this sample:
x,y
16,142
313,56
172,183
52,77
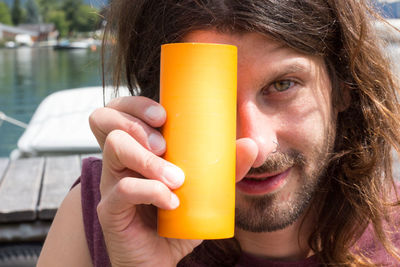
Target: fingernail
x,y
173,175
174,201
154,112
156,142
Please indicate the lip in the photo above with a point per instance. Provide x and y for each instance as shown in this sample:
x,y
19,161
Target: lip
x,y
262,184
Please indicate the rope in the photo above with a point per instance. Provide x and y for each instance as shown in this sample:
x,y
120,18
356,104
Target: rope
x,y
4,117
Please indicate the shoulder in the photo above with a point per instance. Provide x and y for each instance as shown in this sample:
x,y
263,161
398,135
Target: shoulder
x,y
75,237
65,244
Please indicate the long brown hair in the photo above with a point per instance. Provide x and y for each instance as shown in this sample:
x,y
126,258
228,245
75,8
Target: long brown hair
x,y
360,188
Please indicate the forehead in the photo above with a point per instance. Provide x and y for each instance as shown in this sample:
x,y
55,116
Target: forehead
x,y
246,40
241,40
261,52
250,45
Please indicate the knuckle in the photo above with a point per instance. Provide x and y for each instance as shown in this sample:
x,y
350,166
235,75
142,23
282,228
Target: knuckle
x,y
112,138
113,102
100,208
134,128
149,162
111,142
123,185
94,116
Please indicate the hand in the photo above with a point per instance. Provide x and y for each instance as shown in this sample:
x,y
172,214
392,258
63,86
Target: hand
x,y
131,151
136,115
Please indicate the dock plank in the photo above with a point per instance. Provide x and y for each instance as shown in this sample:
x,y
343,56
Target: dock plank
x,y
22,179
23,232
60,173
3,166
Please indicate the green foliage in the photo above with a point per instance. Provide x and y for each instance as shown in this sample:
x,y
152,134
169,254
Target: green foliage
x,y
17,14
58,18
70,7
69,15
5,14
87,19
45,6
32,12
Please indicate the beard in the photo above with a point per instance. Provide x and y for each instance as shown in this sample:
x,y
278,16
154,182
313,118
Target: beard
x,y
278,210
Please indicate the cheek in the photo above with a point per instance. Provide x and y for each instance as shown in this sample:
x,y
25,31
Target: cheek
x,y
306,125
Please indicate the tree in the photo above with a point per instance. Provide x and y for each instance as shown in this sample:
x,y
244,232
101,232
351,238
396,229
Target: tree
x,y
32,12
5,14
71,8
46,7
87,19
17,13
81,17
58,18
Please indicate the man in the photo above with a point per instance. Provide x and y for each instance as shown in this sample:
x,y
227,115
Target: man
x,y
317,116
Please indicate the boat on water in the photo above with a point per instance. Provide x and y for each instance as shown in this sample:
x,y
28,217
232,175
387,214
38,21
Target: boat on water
x,y
83,44
60,126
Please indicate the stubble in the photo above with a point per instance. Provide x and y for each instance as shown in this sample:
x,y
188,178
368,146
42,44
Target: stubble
x,y
277,211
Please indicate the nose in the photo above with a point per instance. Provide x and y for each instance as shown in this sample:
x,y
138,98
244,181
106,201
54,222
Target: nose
x,y
253,123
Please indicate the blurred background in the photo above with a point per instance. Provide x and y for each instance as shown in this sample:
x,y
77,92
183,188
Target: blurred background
x,y
45,46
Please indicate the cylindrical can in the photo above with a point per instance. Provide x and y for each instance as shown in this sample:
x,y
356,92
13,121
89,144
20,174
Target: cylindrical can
x,y
198,89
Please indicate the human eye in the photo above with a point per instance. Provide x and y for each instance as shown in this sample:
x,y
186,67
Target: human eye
x,y
282,85
279,86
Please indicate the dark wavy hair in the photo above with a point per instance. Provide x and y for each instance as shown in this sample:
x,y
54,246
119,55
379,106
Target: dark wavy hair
x,y
360,188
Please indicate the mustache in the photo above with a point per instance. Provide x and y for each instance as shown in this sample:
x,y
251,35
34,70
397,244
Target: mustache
x,y
279,161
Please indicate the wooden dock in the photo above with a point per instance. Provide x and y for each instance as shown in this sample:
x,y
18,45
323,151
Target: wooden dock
x,y
31,190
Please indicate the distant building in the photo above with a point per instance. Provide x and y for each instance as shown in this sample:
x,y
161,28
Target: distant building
x,y
10,32
45,32
36,32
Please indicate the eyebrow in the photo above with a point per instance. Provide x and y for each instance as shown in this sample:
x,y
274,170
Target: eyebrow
x,y
292,68
282,71
288,69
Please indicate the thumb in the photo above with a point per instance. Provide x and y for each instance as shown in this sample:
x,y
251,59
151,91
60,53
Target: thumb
x,y
246,154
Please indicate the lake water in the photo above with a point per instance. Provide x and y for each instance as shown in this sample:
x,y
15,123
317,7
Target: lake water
x,y
28,75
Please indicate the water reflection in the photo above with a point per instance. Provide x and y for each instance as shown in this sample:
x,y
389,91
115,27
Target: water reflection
x,y
28,75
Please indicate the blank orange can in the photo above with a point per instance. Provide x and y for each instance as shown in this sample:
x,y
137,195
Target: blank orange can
x,y
198,89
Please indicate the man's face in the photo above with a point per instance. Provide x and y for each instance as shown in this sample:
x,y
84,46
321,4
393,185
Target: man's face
x,y
284,97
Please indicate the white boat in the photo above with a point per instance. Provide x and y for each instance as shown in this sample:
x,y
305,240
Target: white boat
x,y
60,123
40,172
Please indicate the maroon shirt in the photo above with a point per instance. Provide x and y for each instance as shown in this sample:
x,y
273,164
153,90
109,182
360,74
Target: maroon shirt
x,y
90,181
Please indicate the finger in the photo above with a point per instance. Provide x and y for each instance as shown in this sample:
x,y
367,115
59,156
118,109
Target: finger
x,y
129,192
121,151
140,107
246,154
104,120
